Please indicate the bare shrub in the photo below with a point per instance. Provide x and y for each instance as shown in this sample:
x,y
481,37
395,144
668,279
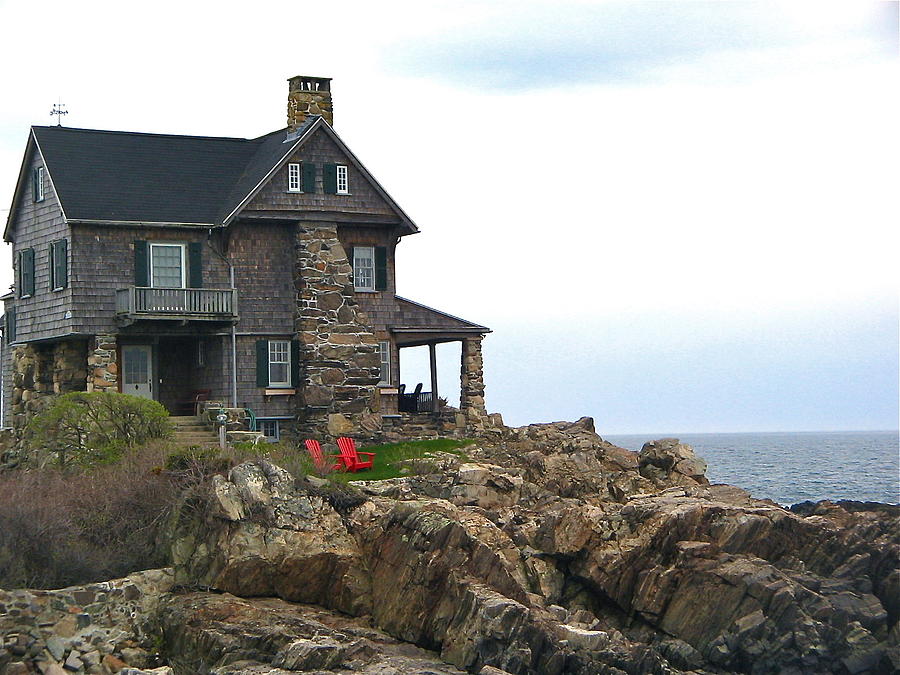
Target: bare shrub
x,y
62,528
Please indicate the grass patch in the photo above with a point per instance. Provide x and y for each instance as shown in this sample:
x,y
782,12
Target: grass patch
x,y
389,455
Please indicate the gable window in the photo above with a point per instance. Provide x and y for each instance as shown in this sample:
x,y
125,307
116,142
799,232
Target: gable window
x,y
384,352
167,265
59,270
364,268
279,363
293,178
25,269
38,184
342,184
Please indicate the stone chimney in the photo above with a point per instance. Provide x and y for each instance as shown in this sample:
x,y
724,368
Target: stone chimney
x,y
308,96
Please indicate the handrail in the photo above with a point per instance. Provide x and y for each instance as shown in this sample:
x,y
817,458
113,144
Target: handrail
x,y
137,300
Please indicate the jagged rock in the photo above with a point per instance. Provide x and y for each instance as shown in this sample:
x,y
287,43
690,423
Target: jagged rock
x,y
669,461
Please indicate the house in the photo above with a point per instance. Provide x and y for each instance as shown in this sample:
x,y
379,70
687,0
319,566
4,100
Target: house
x,y
259,272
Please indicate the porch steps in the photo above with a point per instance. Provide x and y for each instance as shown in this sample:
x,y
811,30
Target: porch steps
x,y
190,430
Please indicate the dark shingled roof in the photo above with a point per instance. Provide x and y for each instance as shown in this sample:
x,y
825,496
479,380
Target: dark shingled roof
x,y
126,176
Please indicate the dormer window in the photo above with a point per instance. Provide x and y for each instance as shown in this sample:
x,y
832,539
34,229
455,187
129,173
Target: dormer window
x,y
343,187
38,184
294,177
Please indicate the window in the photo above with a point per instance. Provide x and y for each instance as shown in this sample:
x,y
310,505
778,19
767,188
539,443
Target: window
x,y
38,184
342,185
364,268
384,351
58,265
269,428
293,178
167,265
26,273
279,363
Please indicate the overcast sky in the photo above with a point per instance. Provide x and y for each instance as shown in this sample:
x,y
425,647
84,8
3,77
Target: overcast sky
x,y
676,217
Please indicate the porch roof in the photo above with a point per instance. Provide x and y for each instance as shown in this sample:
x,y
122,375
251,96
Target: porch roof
x,y
417,324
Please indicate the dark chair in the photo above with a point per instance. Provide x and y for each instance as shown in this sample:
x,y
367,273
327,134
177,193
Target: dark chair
x,y
189,406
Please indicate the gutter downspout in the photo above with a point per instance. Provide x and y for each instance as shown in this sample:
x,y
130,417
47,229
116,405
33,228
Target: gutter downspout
x,y
234,393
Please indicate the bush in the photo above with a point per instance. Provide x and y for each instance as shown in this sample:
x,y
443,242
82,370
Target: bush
x,y
96,428
60,528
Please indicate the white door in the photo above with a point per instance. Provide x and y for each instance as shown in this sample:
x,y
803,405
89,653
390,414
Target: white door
x,y
137,370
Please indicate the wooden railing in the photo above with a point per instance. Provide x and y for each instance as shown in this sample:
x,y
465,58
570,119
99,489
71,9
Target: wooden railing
x,y
204,303
421,402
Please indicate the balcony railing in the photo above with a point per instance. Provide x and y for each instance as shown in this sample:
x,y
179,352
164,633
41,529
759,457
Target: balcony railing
x,y
204,304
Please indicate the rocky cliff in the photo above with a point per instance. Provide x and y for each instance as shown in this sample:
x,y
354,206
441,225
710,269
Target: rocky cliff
x,y
547,551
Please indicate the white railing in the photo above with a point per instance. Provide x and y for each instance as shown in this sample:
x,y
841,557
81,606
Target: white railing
x,y
202,302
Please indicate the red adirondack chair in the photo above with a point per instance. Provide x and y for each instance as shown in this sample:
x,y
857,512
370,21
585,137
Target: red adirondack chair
x,y
350,457
315,451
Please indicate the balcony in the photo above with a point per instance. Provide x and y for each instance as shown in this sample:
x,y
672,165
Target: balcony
x,y
176,304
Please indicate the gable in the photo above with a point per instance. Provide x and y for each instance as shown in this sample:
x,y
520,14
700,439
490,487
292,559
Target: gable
x,y
366,199
24,209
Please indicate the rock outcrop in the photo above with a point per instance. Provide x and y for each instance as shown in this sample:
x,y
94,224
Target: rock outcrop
x,y
546,550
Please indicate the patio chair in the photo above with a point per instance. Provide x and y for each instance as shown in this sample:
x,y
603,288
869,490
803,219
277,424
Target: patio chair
x,y
315,451
350,457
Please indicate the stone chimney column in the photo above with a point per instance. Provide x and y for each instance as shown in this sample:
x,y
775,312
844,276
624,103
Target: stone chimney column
x,y
308,96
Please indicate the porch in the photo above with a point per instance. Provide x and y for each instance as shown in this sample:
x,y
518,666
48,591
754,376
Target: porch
x,y
423,326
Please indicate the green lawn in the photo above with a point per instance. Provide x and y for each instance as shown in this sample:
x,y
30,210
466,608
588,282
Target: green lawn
x,y
387,455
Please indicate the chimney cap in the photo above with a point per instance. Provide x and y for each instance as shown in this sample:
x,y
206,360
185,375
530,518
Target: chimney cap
x,y
309,83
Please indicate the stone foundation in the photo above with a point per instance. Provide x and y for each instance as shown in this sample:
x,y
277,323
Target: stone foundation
x,y
42,371
341,367
103,365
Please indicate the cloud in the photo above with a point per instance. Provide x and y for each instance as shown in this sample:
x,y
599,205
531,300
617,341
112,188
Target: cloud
x,y
525,46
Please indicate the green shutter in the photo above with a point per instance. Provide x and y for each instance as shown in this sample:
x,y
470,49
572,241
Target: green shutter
x,y
10,325
58,264
308,171
330,176
51,260
27,277
195,263
380,268
262,363
295,363
62,264
36,184
141,264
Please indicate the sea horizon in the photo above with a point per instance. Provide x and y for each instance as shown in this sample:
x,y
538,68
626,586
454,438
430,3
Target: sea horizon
x,y
795,466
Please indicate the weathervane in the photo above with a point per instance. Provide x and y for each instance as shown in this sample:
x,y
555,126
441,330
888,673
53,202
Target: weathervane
x,y
59,109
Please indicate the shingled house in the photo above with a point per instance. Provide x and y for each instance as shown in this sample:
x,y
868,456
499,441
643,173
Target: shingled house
x,y
259,272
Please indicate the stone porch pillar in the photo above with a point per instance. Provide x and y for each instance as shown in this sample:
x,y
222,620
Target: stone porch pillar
x,y
103,365
471,397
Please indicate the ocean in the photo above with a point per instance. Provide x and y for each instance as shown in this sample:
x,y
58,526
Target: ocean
x,y
791,467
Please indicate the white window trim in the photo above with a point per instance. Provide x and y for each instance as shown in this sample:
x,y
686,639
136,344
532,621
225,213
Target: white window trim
x,y
278,383
295,181
384,353
343,180
39,197
154,244
356,250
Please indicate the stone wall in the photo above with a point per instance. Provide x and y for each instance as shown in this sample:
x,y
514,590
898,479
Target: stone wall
x,y
340,363
103,365
41,371
81,627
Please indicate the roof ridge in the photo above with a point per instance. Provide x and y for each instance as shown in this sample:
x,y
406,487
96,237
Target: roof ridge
x,y
147,133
